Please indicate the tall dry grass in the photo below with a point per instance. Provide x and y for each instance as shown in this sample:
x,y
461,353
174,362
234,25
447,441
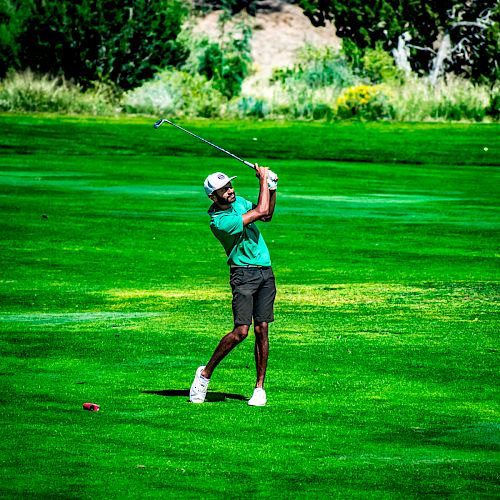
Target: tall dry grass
x,y
28,92
452,98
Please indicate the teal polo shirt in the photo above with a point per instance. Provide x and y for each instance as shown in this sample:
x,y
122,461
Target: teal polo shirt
x,y
244,245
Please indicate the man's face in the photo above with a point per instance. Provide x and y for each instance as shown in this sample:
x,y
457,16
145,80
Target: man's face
x,y
225,195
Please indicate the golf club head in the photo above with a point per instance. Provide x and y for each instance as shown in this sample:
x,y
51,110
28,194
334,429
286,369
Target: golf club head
x,y
159,123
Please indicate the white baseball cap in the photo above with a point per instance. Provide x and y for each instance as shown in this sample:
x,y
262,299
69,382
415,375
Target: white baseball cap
x,y
216,181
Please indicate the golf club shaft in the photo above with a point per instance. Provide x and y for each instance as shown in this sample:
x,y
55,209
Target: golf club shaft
x,y
162,120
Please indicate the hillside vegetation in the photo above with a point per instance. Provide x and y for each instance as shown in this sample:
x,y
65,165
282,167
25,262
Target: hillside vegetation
x,y
153,58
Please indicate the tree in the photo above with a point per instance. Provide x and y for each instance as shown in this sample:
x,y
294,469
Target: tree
x,y
13,17
123,43
466,31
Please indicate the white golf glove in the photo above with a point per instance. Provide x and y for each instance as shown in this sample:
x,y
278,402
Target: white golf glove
x,y
272,181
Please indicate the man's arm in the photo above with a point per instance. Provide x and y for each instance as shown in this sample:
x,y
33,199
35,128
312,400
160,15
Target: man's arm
x,y
272,204
263,206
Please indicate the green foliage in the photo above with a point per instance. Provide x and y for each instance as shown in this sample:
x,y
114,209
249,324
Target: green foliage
x,y
95,40
179,93
379,66
175,93
486,57
13,19
225,62
473,27
458,109
317,67
367,24
353,55
493,109
252,107
322,111
185,94
31,93
306,109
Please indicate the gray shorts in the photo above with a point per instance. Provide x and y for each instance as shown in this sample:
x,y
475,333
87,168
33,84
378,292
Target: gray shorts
x,y
254,290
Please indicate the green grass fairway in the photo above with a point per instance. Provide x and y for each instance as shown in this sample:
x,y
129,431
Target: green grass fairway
x,y
383,378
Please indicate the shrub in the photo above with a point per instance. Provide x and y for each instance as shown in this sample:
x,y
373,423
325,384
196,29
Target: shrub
x,y
296,100
175,93
322,111
31,93
120,42
456,110
379,66
493,108
310,88
225,62
249,106
367,102
317,67
353,54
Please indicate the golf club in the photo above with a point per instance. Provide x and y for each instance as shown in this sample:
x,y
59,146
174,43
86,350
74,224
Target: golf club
x,y
160,122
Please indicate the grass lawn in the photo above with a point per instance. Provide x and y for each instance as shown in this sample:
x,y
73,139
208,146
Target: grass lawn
x,y
383,379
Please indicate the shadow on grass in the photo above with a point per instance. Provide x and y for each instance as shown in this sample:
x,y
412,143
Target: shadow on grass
x,y
212,397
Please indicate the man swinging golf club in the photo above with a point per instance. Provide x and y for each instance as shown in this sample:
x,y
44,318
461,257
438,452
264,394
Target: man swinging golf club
x,y
232,220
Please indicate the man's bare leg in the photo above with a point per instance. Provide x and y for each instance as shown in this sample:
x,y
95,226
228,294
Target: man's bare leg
x,y
261,352
226,345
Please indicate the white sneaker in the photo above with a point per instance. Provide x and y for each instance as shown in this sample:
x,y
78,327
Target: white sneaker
x,y
258,398
198,390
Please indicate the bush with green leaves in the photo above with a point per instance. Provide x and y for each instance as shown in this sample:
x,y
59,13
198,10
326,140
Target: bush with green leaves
x,y
493,109
452,108
379,66
226,61
308,105
308,89
248,107
27,92
123,43
318,67
175,93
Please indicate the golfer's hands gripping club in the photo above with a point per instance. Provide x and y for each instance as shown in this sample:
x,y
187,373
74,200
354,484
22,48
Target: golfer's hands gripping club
x,y
261,172
272,178
272,181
